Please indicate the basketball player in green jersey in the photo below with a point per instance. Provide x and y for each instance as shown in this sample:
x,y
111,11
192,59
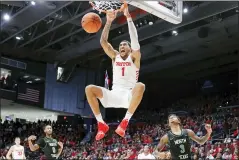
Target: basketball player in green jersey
x,y
51,148
179,140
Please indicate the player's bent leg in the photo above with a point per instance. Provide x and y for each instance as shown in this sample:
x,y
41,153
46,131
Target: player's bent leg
x,y
137,95
92,93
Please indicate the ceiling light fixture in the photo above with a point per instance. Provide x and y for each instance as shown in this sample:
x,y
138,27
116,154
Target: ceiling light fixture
x,y
175,33
185,10
6,17
151,23
18,38
33,3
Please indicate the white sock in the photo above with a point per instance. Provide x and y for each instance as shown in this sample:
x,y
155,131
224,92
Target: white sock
x,y
128,115
99,118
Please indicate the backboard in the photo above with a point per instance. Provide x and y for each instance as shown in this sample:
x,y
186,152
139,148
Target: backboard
x,y
170,11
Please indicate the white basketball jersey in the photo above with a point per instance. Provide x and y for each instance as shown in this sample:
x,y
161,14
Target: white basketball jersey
x,y
17,152
125,73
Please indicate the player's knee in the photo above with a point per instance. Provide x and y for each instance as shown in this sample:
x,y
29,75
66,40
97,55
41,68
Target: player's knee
x,y
89,89
93,90
140,87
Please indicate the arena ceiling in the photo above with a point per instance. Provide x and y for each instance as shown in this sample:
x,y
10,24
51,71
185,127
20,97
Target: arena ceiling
x,y
206,43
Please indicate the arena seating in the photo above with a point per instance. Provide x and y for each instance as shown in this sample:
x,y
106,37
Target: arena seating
x,y
223,144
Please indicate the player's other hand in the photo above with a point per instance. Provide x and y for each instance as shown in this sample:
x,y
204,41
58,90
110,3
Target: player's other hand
x,y
163,155
60,144
208,128
126,12
168,155
32,138
111,15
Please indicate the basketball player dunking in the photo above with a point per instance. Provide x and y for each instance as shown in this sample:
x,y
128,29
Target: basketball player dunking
x,y
127,92
51,148
178,140
16,151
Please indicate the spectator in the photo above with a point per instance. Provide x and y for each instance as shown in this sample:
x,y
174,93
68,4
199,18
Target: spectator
x,y
226,155
227,139
145,154
209,155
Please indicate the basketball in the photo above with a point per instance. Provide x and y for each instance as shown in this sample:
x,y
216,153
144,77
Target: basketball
x,y
91,22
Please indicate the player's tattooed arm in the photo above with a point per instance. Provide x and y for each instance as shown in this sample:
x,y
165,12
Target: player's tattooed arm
x,y
200,140
109,50
163,141
105,33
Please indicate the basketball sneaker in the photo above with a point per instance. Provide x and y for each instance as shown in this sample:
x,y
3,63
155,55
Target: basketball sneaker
x,y
122,127
102,129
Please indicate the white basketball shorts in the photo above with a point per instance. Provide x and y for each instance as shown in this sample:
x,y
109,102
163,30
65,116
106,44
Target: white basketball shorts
x,y
116,98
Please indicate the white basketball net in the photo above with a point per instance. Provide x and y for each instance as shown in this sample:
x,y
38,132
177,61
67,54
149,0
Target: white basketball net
x,y
107,5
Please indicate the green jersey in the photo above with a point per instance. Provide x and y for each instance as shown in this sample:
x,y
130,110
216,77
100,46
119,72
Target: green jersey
x,y
180,145
49,146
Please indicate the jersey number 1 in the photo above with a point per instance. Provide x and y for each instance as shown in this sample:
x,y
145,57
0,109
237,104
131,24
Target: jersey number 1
x,y
123,68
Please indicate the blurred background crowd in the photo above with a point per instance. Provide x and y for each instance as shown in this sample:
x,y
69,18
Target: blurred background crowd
x,y
146,129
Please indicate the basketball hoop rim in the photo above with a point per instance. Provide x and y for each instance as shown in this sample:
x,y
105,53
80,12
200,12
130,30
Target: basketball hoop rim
x,y
124,5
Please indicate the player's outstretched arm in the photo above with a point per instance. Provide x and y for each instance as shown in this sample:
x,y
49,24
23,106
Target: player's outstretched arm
x,y
163,141
109,50
9,153
133,34
31,146
200,140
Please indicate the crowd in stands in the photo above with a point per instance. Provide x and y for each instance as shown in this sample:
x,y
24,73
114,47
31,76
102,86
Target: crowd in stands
x,y
65,133
194,114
